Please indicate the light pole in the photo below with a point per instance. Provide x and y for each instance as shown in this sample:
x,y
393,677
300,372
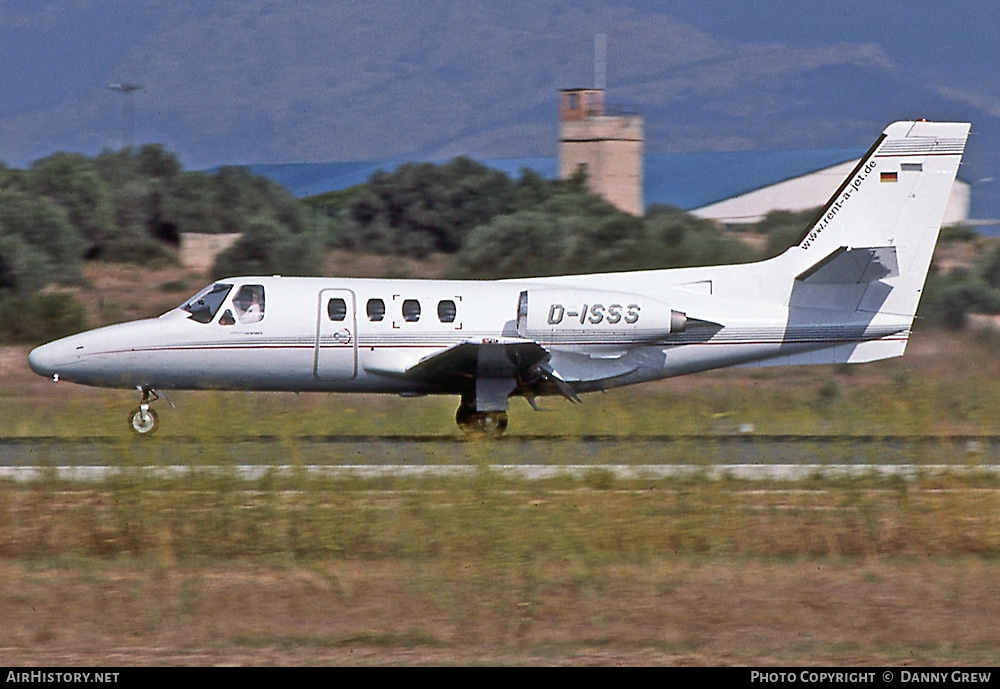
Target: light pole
x,y
126,90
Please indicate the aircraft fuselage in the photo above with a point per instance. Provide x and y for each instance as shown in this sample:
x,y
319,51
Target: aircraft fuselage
x,y
356,335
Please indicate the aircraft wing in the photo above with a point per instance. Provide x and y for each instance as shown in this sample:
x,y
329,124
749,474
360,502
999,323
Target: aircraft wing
x,y
491,358
487,358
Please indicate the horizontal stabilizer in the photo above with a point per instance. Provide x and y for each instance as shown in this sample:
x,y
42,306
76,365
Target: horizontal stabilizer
x,y
853,266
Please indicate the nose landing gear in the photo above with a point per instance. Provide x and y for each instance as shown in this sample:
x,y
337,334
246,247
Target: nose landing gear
x,y
142,419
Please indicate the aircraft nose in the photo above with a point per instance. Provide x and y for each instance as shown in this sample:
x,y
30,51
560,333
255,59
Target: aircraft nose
x,y
45,360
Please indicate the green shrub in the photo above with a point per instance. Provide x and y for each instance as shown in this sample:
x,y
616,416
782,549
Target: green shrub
x,y
138,250
948,298
958,233
269,248
40,317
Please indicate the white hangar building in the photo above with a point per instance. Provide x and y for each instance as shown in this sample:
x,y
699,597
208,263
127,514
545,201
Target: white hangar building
x,y
807,191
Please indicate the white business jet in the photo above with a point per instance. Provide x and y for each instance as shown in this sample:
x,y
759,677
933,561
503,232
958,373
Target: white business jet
x,y
846,293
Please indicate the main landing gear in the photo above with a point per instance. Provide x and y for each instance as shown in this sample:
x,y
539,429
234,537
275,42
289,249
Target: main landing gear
x,y
144,420
482,424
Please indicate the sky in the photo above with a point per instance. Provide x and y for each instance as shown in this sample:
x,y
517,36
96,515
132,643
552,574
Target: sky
x,y
255,81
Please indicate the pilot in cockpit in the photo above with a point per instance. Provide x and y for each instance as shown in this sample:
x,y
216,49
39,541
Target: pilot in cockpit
x,y
249,303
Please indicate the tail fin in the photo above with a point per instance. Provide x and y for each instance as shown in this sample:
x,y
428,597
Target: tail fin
x,y
900,185
881,225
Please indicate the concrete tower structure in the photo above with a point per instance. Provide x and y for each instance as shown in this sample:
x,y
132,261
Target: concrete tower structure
x,y
606,147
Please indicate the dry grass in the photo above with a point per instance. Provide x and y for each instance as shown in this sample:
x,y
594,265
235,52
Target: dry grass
x,y
663,612
492,570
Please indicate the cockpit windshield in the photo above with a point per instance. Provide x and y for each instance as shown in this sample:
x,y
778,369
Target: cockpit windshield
x,y
204,305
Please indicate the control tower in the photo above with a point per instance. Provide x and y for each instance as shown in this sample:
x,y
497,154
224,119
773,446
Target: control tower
x,y
605,146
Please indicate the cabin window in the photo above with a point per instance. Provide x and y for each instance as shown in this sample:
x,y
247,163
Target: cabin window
x,y
522,312
204,305
376,309
336,309
227,318
447,311
249,303
411,310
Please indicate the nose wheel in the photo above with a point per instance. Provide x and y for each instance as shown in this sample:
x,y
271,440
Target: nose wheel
x,y
143,420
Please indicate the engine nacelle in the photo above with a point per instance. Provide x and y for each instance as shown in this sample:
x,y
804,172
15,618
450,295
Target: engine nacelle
x,y
591,317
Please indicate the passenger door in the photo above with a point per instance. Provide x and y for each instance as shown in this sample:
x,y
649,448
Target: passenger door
x,y
336,335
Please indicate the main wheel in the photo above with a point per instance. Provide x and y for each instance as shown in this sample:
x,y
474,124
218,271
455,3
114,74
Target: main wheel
x,y
143,422
490,423
482,424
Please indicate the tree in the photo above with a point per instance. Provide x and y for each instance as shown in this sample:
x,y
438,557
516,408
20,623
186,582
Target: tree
x,y
72,181
525,243
421,207
677,239
40,317
269,248
23,268
990,268
39,243
948,298
783,229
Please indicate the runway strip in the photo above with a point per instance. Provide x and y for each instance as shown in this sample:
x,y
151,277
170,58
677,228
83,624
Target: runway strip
x,y
747,472
593,450
745,457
